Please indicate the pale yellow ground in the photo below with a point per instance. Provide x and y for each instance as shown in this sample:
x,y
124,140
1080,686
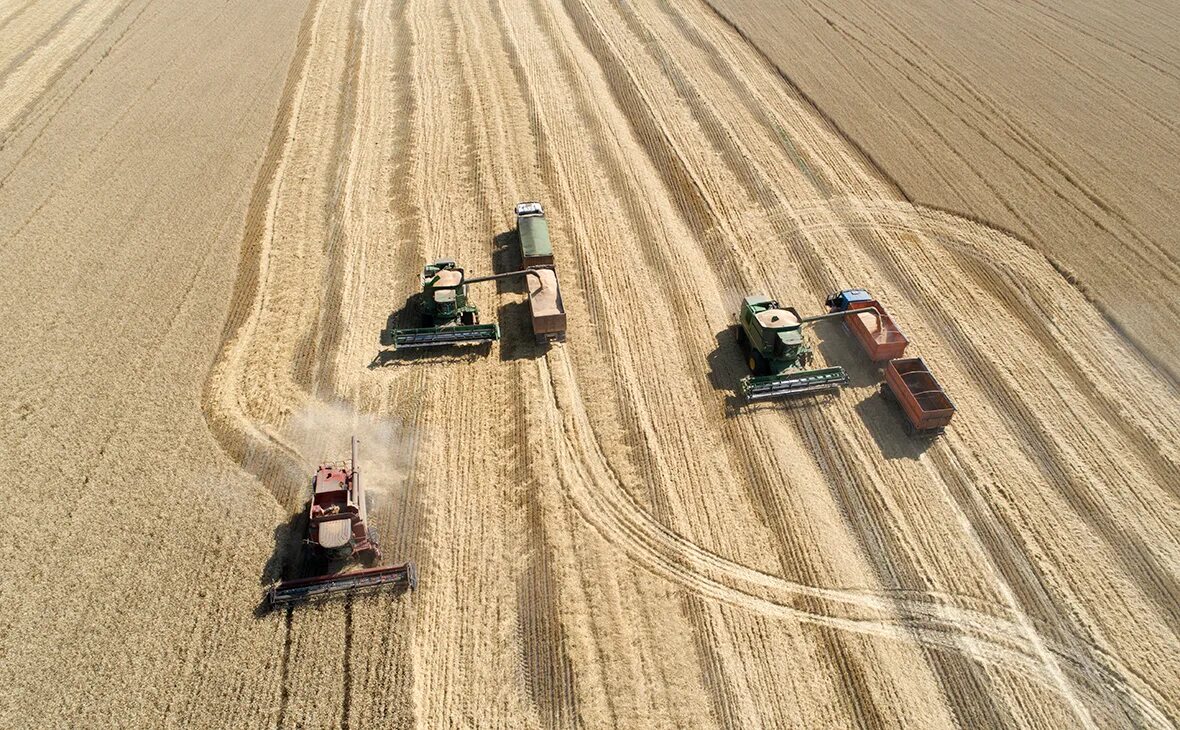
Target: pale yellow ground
x,y
606,536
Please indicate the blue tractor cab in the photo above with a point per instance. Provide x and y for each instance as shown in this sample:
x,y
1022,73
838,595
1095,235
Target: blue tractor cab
x,y
842,300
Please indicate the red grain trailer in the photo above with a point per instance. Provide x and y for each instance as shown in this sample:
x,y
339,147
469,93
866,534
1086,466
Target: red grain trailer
x,y
545,305
876,331
927,408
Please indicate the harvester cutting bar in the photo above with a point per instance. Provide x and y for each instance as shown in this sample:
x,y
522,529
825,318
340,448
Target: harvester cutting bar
x,y
760,387
435,336
357,581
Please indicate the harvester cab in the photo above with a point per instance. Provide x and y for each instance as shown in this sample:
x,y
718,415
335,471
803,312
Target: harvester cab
x,y
448,317
771,338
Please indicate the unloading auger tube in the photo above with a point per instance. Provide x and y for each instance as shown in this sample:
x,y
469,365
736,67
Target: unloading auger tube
x,y
841,313
492,277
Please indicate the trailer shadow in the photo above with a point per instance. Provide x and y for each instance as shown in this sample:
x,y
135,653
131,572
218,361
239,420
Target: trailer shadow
x,y
884,421
886,424
517,341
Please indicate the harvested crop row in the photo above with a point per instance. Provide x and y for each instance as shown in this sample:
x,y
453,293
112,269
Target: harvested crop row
x,y
606,535
685,174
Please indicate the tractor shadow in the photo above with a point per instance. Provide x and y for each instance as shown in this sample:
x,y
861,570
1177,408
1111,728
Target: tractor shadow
x,y
883,420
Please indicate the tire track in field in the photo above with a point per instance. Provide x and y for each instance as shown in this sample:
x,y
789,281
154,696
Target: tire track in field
x,y
1047,455
223,401
1113,41
1019,134
1026,300
545,665
18,79
998,642
847,660
593,272
315,369
841,465
993,634
16,13
1035,430
32,45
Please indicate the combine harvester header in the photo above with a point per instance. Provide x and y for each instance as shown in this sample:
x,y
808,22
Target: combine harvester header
x,y
355,582
338,530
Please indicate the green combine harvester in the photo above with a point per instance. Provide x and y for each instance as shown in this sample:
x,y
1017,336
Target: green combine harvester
x,y
771,338
448,318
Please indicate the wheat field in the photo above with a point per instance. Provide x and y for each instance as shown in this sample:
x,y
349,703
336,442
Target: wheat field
x,y
1056,121
210,217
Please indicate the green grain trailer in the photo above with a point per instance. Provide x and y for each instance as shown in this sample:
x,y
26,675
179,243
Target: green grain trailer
x,y
533,231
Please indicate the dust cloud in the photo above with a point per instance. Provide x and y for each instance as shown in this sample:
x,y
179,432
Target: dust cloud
x,y
321,432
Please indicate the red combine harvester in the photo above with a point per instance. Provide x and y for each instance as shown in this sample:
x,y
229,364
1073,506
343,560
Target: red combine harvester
x,y
338,530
